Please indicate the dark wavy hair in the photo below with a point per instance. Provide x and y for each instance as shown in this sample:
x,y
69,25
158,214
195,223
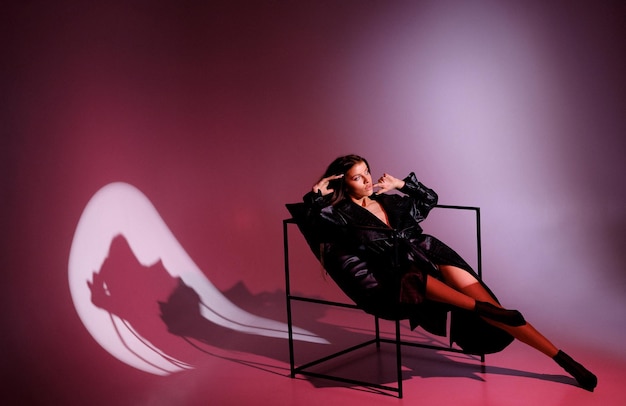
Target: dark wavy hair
x,y
340,166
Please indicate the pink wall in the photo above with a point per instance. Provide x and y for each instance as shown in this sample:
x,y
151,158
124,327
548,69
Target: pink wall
x,y
220,114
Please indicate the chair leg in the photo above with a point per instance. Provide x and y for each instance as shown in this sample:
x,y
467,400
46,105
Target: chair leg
x,y
399,358
377,328
292,363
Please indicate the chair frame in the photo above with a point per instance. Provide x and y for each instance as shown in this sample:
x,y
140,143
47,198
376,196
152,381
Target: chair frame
x,y
304,369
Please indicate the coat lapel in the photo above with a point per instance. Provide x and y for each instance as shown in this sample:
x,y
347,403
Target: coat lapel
x,y
355,214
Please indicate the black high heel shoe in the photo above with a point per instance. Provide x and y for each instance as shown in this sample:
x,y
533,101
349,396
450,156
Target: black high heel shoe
x,y
511,318
586,379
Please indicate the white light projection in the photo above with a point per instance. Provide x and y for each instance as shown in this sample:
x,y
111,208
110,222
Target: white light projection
x,y
121,209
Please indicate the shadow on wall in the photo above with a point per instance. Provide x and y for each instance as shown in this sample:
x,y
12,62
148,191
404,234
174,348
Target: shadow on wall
x,y
166,314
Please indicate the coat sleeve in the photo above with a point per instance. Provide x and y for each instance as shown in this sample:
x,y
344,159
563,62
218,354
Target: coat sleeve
x,y
423,199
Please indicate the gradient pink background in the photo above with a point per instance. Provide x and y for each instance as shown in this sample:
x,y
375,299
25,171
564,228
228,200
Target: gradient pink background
x,y
221,113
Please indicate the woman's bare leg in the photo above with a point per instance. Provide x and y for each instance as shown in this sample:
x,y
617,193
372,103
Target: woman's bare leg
x,y
465,282
442,292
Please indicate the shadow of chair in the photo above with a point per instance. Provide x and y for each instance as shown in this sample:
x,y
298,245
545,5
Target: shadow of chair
x,y
396,341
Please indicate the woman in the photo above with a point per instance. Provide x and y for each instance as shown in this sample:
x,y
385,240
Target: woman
x,y
372,245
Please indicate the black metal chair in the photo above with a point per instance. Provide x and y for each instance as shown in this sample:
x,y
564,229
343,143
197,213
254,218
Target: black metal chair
x,y
396,341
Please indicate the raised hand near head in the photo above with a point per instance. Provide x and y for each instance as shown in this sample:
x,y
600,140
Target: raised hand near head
x,y
387,183
322,185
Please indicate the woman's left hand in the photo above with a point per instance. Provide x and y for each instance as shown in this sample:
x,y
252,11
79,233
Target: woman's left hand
x,y
387,183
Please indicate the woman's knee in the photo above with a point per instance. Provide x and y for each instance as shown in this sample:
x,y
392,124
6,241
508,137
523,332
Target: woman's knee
x,y
457,277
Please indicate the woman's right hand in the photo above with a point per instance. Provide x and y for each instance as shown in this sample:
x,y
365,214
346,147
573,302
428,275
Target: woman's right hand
x,y
322,185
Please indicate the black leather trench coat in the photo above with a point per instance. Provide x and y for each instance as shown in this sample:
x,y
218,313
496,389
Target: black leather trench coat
x,y
383,269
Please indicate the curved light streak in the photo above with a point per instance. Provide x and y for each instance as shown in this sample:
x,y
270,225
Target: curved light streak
x,y
120,208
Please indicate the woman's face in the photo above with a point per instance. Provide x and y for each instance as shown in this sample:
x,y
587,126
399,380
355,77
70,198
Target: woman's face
x,y
359,181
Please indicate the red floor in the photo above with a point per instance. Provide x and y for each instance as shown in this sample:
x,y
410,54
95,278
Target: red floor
x,y
231,368
516,376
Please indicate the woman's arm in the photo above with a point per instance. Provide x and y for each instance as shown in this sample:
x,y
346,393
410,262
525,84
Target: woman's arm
x,y
416,189
322,185
409,186
419,199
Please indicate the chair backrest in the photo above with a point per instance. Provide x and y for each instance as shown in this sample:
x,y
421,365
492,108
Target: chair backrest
x,y
299,213
350,272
